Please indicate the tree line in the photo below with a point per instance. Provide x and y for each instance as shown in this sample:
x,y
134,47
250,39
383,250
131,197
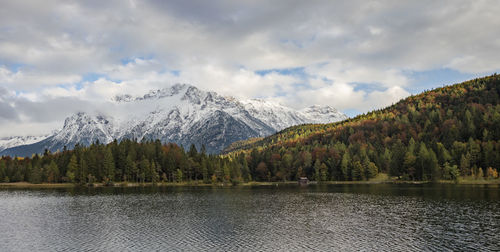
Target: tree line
x,y
445,133
128,160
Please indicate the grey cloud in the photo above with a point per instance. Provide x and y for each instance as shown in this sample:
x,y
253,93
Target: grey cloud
x,y
93,34
7,112
55,109
210,42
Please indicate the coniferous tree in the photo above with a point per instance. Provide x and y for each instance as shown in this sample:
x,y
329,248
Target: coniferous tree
x,y
72,169
317,170
345,166
52,172
84,171
357,171
108,165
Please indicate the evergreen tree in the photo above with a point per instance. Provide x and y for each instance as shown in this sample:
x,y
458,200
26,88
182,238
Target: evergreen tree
x,y
227,173
345,165
317,170
144,168
72,169
371,170
83,173
204,170
36,175
357,171
323,172
409,165
108,166
52,172
465,164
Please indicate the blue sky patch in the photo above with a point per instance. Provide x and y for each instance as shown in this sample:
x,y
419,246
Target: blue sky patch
x,y
297,71
351,112
368,87
91,77
127,60
427,80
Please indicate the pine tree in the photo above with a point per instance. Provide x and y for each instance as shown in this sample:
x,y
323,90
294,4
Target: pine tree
x,y
464,164
371,170
345,165
52,172
3,169
317,170
204,171
451,172
434,166
144,168
227,173
193,153
83,173
155,177
36,174
357,171
398,156
245,171
108,165
386,160
72,169
324,172
409,164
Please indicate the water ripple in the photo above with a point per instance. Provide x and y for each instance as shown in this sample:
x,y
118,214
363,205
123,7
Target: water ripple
x,y
248,219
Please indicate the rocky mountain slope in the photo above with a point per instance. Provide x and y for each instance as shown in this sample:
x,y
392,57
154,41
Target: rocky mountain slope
x,y
182,114
9,142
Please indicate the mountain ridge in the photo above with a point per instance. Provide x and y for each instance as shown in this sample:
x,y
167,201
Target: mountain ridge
x,y
181,114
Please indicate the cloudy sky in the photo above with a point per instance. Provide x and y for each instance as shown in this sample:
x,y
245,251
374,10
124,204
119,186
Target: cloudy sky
x,y
58,57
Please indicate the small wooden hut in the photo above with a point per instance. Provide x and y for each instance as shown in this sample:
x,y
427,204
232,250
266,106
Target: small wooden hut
x,y
303,181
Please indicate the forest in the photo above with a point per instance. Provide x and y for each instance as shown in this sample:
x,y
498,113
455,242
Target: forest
x,y
443,134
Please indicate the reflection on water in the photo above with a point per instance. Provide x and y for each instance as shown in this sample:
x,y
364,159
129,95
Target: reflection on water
x,y
322,217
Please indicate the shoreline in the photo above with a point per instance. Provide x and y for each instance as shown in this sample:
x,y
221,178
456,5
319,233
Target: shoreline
x,y
28,185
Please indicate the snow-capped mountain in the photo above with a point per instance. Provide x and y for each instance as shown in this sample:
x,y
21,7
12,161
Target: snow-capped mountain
x,y
9,142
279,117
182,114
322,114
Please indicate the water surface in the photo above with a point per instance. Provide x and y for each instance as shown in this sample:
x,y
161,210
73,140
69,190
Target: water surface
x,y
316,217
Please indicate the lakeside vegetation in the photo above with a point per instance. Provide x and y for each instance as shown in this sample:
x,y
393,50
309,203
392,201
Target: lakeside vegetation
x,y
450,133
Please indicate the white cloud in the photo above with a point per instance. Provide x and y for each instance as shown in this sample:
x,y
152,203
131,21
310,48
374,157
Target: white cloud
x,y
33,79
48,48
343,96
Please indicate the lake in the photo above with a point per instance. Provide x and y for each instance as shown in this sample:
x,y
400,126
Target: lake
x,y
260,218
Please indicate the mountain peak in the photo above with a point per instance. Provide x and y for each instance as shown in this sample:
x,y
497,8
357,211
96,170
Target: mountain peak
x,y
157,93
181,114
323,114
323,109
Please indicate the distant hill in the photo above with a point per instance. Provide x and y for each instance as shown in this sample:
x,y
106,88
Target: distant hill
x,y
438,134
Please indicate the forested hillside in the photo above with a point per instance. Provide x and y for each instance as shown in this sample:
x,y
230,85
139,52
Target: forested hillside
x,y
440,134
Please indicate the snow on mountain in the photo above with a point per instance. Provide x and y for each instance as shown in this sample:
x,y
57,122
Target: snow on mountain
x,y
182,114
274,114
9,142
280,117
85,129
322,114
